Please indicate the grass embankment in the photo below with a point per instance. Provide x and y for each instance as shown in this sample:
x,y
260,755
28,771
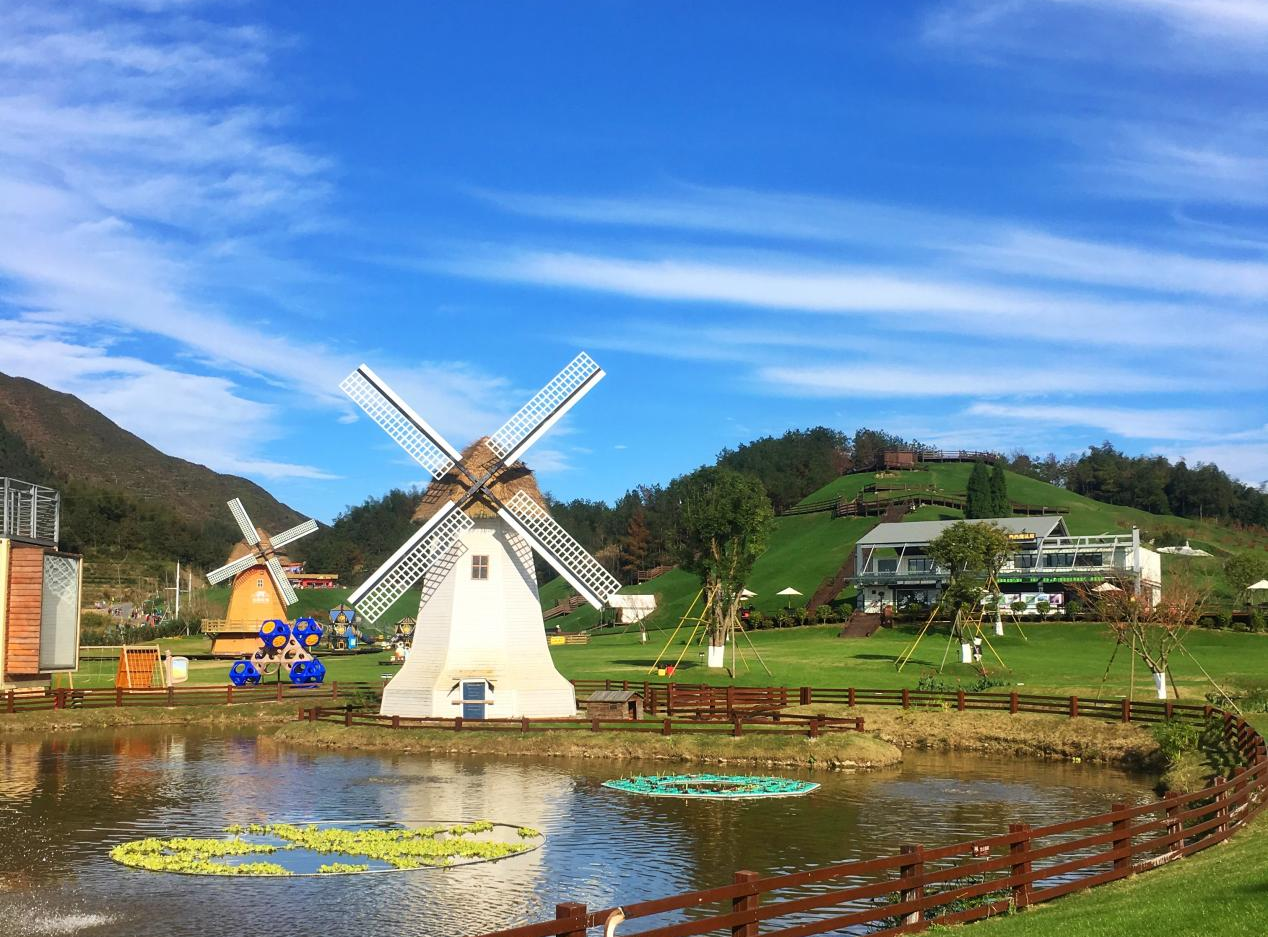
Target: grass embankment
x,y
843,751
1221,891
248,714
992,733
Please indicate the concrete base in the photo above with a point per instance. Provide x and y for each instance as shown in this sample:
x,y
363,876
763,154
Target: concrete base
x,y
1160,685
966,653
717,656
485,633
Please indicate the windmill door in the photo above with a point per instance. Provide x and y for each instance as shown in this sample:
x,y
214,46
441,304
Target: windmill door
x,y
473,699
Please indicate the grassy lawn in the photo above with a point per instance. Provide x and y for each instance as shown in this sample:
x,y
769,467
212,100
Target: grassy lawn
x,y
1222,891
1055,658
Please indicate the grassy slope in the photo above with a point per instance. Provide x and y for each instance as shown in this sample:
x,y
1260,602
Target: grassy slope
x,y
806,549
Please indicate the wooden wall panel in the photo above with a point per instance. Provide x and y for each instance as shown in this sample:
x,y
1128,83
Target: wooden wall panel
x,y
22,623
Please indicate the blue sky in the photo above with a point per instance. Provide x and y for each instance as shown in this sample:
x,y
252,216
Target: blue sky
x,y
983,223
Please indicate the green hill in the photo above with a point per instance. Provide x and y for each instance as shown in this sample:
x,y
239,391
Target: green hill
x,y
807,548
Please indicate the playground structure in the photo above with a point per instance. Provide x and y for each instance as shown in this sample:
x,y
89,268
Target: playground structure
x,y
700,629
967,627
282,646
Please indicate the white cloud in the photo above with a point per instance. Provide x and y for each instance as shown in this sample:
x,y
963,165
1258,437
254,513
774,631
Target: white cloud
x,y
1129,422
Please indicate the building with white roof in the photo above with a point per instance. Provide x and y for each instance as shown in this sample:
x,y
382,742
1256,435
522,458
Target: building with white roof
x,y
893,568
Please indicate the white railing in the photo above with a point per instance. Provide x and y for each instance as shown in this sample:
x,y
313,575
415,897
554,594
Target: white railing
x,y
29,511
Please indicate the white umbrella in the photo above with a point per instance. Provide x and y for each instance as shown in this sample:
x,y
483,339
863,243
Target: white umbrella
x,y
790,592
1107,587
747,593
1262,584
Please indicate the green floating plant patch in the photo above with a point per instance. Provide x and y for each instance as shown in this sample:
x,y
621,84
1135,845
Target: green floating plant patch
x,y
712,786
385,848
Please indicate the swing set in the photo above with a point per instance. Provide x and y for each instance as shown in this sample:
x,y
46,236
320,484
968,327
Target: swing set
x,y
966,626
700,626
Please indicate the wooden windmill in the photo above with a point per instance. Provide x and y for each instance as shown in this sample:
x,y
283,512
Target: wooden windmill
x,y
260,590
479,645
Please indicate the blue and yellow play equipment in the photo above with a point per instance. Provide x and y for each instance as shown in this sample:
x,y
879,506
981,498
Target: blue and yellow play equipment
x,y
283,645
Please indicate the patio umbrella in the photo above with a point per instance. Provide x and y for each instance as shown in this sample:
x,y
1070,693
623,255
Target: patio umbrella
x,y
790,592
749,593
1262,584
1107,587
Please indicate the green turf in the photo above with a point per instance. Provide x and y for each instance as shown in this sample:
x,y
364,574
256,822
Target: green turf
x,y
1056,658
1221,891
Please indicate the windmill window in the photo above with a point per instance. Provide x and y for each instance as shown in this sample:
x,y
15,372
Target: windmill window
x,y
259,583
479,567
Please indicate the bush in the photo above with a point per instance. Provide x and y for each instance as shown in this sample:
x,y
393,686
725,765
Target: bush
x,y
1018,606
1257,622
783,618
1241,626
1220,753
802,615
1073,609
1043,608
1176,739
825,614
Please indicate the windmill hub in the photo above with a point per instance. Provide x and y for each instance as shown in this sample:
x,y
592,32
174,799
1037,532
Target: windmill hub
x,y
479,646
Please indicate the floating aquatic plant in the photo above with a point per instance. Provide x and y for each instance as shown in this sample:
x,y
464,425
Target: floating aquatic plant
x,y
720,786
399,848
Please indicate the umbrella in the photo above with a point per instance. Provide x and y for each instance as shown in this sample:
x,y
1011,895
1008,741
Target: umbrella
x,y
1262,584
749,593
790,592
1107,587
1185,550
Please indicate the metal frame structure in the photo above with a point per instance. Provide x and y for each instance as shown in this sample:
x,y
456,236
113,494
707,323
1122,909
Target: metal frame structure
x,y
30,512
425,554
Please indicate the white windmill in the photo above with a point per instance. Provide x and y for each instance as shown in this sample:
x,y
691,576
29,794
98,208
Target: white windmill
x,y
479,647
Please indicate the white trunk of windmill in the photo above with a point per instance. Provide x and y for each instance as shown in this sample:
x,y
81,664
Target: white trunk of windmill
x,y
486,631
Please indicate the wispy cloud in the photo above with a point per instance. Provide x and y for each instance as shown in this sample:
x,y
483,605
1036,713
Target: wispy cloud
x,y
1129,422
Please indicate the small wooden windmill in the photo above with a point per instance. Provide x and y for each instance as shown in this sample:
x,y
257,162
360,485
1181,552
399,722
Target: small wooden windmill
x,y
479,646
260,591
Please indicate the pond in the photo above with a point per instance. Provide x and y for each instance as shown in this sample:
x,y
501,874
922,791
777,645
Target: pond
x,y
66,801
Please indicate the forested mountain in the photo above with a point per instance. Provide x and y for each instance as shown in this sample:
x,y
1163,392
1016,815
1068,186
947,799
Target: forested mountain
x,y
121,497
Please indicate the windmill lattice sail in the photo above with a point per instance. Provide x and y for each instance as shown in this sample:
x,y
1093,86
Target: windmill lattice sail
x,y
512,439
560,549
412,433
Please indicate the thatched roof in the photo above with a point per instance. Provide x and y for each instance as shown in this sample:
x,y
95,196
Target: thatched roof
x,y
478,458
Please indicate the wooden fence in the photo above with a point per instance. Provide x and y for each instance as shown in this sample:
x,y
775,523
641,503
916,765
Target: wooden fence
x,y
963,881
736,723
20,701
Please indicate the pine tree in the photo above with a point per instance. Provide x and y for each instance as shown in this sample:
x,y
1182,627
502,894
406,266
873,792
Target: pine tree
x,y
636,545
978,502
1000,505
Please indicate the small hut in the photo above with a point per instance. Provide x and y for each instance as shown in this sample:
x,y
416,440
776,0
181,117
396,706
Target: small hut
x,y
615,704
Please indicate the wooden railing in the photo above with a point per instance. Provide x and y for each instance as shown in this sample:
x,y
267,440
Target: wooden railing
x,y
963,881
734,722
20,701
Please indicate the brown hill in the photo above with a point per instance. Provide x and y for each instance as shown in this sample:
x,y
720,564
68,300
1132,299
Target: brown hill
x,y
75,443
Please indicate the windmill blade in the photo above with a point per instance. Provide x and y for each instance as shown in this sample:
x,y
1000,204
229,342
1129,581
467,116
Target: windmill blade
x,y
292,534
557,547
232,569
437,572
411,432
410,563
239,513
283,584
512,440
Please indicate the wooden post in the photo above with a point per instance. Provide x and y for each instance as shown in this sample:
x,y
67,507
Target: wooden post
x,y
229,695
1168,709
669,699
279,690
594,723
1221,806
959,700
665,728
858,723
569,910
906,698
814,728
1020,853
1074,707
334,690
746,902
118,696
396,720
301,716
9,700
457,723
347,717
59,699
737,728
1127,709
1012,702
524,725
649,699
913,869
807,696
1174,826
850,696
1122,840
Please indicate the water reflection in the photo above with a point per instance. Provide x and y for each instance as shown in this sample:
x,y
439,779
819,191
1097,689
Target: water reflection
x,y
64,802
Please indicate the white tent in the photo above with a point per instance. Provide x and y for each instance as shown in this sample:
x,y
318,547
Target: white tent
x,y
1185,550
1107,587
1262,584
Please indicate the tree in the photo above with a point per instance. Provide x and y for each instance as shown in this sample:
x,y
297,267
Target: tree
x,y
972,555
1153,632
978,502
636,546
1000,505
725,520
1243,569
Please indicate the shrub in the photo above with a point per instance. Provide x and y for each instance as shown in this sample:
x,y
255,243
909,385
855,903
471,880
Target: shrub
x,y
758,620
783,618
1176,739
802,615
1257,622
1043,608
1073,609
1218,750
1018,606
825,614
